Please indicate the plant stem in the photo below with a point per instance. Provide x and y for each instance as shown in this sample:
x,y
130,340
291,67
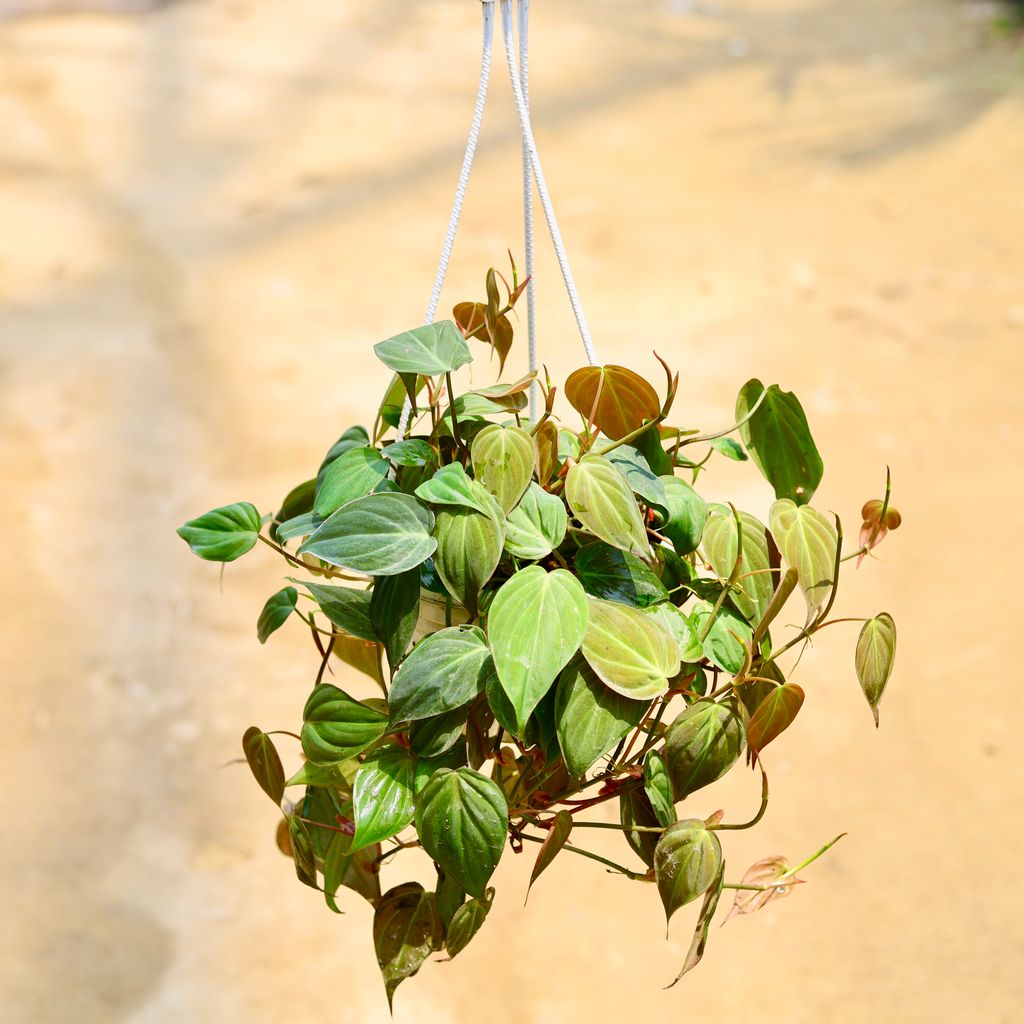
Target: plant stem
x,y
302,565
459,443
760,813
618,868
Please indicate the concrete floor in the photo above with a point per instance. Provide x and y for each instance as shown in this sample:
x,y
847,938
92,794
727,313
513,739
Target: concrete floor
x,y
209,213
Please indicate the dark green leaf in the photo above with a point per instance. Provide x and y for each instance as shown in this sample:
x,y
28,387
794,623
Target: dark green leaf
x,y
645,483
658,788
779,441
406,930
430,350
450,896
558,835
430,737
729,447
394,611
774,715
357,870
590,718
687,515
381,534
383,796
346,607
354,474
354,437
468,551
535,625
462,820
224,534
687,861
302,852
412,452
264,762
635,810
616,575
442,672
298,501
277,609
338,777
337,727
301,526
467,921
876,651
701,745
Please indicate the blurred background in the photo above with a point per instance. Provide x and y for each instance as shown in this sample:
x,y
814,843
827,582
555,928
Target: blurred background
x,y
210,209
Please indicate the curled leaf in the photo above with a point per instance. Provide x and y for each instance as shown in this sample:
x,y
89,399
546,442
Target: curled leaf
x,y
765,872
876,651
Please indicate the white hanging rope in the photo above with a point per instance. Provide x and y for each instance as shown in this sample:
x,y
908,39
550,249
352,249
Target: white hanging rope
x,y
460,189
523,10
542,188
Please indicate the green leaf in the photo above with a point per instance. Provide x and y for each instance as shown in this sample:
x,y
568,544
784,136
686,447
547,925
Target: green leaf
x,y
302,852
535,624
456,756
687,861
773,716
779,441
467,921
729,447
277,609
338,777
600,497
590,718
382,796
337,727
462,820
301,526
411,452
431,737
807,542
469,548
754,592
618,400
687,515
557,837
357,870
394,612
224,534
346,607
537,525
264,762
441,673
724,644
678,623
658,788
503,460
356,473
451,486
406,930
615,575
298,501
354,437
381,534
700,934
635,810
631,652
876,651
450,896
431,350
645,483
701,745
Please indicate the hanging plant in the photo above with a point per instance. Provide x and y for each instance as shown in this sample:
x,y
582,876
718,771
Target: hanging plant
x,y
553,619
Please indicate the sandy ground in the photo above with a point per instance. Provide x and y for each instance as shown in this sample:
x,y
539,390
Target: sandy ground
x,y
206,216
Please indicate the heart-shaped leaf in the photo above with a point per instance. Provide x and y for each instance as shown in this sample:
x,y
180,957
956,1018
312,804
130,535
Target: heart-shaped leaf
x,y
352,475
466,922
876,651
441,673
753,591
503,459
382,796
431,737
357,870
779,441
337,727
535,625
658,788
725,642
616,575
413,451
590,718
381,534
687,514
616,399
264,762
602,500
631,652
701,745
687,860
430,350
469,548
451,486
394,611
557,837
773,716
645,482
462,820
275,612
638,819
682,628
346,607
807,542
224,534
537,525
406,930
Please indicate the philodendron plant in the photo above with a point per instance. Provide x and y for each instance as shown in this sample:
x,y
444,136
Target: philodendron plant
x,y
551,619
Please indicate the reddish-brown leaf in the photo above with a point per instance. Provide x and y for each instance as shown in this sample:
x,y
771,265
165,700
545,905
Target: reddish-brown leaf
x,y
764,872
618,400
773,716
